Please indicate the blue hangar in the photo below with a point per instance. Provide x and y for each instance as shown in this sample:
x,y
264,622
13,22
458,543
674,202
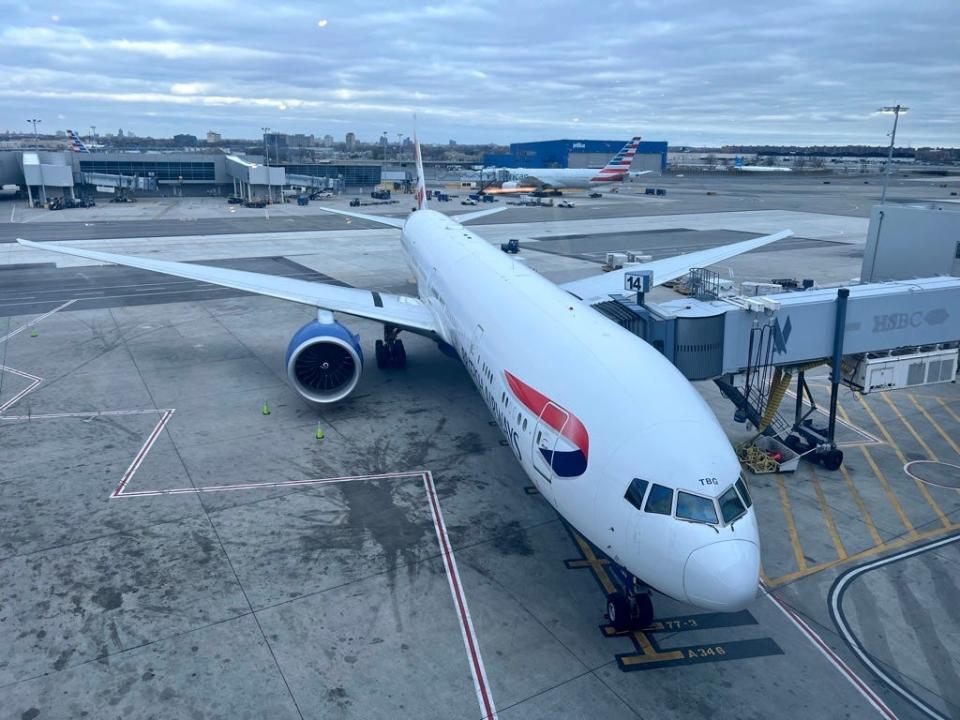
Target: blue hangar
x,y
578,154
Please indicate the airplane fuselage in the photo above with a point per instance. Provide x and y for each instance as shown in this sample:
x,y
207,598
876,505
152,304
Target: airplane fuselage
x,y
561,178
586,407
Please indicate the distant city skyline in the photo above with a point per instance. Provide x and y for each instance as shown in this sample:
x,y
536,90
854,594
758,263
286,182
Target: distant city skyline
x,y
699,73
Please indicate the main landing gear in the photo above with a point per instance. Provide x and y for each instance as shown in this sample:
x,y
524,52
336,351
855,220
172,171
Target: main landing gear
x,y
632,608
390,352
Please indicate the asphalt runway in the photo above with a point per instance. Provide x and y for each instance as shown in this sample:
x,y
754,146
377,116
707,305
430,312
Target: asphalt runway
x,y
167,547
34,289
658,243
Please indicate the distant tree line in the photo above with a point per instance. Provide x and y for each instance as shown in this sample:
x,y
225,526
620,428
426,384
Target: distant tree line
x,y
924,154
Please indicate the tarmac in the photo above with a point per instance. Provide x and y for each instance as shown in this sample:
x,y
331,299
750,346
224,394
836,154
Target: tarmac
x,y
169,550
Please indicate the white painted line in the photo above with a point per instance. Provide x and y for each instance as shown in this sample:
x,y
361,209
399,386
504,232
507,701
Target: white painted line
x,y
907,469
836,612
93,414
36,320
35,382
470,642
262,485
142,453
871,439
864,689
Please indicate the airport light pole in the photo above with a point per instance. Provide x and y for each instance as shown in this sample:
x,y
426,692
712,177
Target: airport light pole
x,y
266,161
36,143
896,110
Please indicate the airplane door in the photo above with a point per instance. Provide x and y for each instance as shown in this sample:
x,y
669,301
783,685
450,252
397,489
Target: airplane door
x,y
545,439
475,345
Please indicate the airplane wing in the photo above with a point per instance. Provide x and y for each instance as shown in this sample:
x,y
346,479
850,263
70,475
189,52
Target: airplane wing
x,y
382,219
402,311
599,288
477,214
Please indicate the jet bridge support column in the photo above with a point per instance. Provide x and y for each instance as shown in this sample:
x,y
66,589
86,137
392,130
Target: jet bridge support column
x,y
835,368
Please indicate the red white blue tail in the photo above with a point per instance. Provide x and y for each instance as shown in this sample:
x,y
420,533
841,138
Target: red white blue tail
x,y
618,168
76,144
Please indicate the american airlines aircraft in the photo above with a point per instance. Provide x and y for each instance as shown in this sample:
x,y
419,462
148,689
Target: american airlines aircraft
x,y
567,178
613,436
76,144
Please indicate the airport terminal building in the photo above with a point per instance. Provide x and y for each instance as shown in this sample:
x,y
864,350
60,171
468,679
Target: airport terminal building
x,y
651,155
41,174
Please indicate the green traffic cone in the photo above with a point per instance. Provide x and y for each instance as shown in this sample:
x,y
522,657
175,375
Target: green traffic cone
x,y
265,409
319,433
34,333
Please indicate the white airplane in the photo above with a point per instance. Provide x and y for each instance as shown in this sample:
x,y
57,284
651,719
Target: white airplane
x,y
566,178
612,435
739,166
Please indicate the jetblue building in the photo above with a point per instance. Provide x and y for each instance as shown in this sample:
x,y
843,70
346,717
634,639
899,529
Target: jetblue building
x,y
651,155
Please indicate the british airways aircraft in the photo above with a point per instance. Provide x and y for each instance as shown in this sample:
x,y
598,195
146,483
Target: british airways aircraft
x,y
565,178
613,436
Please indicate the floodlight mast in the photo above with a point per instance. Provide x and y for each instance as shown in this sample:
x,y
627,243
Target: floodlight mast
x,y
266,162
896,110
36,144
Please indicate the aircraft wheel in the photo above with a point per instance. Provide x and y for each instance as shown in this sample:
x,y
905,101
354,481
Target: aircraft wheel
x,y
398,355
381,354
618,611
643,611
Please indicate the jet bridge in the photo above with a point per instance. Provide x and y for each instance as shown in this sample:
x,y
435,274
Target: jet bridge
x,y
108,181
876,336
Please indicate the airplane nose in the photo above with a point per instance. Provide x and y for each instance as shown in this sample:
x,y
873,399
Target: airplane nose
x,y
723,576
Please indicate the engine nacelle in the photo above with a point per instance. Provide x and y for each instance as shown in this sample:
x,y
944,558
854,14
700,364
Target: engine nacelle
x,y
510,185
324,361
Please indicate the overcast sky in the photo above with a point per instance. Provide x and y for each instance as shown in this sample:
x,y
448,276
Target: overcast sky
x,y
690,72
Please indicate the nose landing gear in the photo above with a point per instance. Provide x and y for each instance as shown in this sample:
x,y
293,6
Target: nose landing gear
x,y
632,608
390,352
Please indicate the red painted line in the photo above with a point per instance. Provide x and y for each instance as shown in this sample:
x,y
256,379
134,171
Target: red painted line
x,y
144,449
466,624
854,679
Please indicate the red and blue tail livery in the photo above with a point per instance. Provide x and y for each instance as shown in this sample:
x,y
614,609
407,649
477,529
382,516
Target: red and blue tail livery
x,y
570,453
619,166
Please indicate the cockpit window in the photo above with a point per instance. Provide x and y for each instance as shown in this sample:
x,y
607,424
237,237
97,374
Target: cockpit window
x,y
660,500
636,492
696,508
730,506
742,487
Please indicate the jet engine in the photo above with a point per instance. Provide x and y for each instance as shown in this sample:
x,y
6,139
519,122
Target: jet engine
x,y
324,361
510,185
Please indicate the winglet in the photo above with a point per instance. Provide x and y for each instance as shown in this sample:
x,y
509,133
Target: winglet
x,y
421,194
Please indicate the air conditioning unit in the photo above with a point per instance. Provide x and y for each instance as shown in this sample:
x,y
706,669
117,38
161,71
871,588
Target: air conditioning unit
x,y
892,372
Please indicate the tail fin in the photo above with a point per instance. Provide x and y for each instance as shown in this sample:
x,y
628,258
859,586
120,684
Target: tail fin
x,y
619,166
421,193
76,144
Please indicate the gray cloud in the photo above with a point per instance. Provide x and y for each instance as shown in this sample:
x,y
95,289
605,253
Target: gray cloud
x,y
689,72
